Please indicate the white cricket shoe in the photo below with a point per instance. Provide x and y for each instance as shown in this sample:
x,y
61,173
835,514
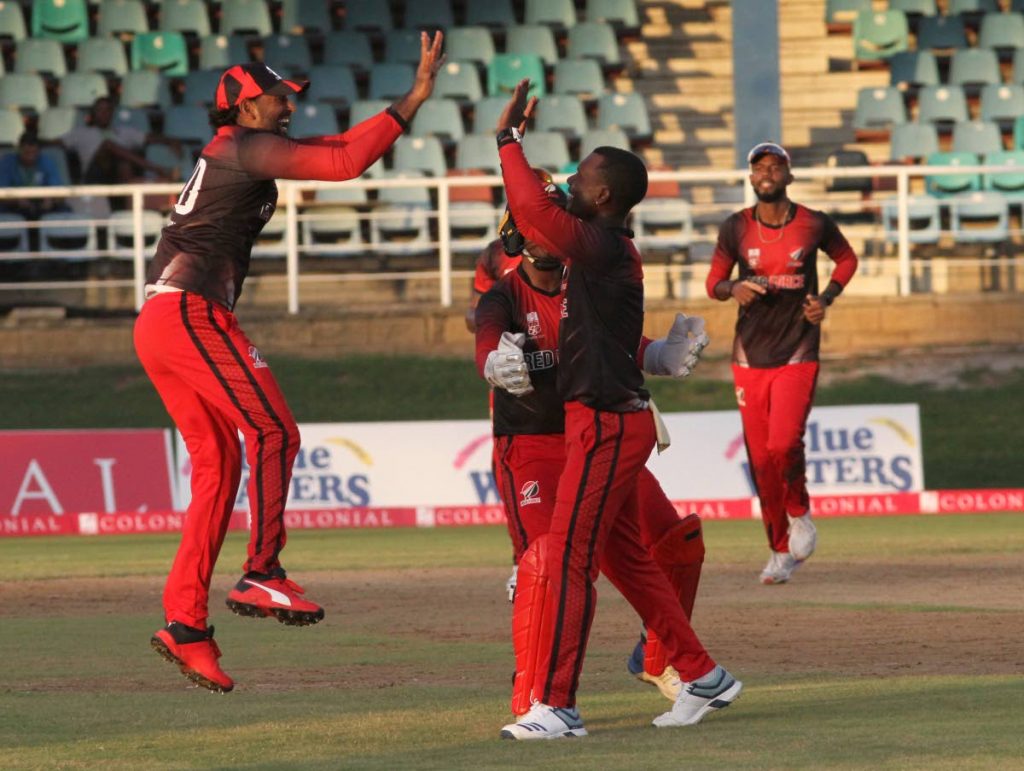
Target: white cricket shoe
x,y
544,722
803,537
779,569
716,690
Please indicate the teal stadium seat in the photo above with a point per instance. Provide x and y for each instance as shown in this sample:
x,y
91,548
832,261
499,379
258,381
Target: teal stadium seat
x,y
580,77
429,14
201,87
477,151
189,17
469,44
915,10
349,48
459,81
941,34
878,109
73,235
941,105
187,123
287,53
12,22
363,109
135,117
546,148
81,89
532,39
506,70
923,220
621,14
332,84
165,52
145,88
951,183
976,136
401,223
423,154
611,137
1002,32
626,111
1002,103
23,91
245,17
557,14
913,142
368,16
594,40
969,7
877,35
1009,183
439,118
562,113
300,17
41,56
331,226
119,18
63,20
490,13
980,217
402,45
486,112
972,68
390,81
313,120
840,14
911,70
218,52
102,54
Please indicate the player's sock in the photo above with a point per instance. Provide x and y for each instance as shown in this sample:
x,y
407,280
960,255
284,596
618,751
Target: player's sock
x,y
527,616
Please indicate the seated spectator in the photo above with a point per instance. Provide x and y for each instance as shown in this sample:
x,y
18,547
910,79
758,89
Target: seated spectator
x,y
26,167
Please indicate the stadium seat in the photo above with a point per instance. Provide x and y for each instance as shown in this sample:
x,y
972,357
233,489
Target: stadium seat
x,y
390,81
562,113
559,15
162,51
368,16
1002,104
121,232
840,14
459,81
402,46
12,22
287,53
472,216
532,39
546,148
121,18
245,17
1002,32
923,220
187,123
976,136
625,111
313,120
580,77
81,89
878,110
942,34
469,44
12,126
979,217
911,70
941,105
477,151
913,142
915,7
23,91
603,137
972,68
877,35
349,48
429,15
41,56
332,84
971,7
1009,183
72,234
848,159
201,87
950,183
63,20
487,111
362,109
54,122
189,17
102,54
13,233
401,220
621,14
489,13
594,40
663,222
440,118
145,88
331,226
424,154
304,16
506,70
218,52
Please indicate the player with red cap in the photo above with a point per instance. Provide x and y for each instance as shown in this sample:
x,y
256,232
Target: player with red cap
x,y
211,378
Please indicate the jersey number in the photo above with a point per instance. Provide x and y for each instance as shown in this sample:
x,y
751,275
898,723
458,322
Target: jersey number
x,y
189,193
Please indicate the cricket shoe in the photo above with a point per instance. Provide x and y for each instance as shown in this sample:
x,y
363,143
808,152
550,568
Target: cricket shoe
x,y
779,569
716,690
544,722
195,653
667,682
261,594
803,537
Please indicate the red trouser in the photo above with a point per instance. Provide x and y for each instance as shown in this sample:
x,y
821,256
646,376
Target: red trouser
x,y
774,405
594,526
214,383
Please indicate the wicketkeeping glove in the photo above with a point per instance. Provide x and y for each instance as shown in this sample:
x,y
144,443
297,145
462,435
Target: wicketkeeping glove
x,y
677,353
506,366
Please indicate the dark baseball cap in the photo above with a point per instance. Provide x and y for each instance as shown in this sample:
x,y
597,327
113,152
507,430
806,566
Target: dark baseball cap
x,y
252,79
767,148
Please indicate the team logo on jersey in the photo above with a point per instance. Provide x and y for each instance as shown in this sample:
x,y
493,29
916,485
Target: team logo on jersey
x,y
741,397
533,324
258,362
267,211
529,493
795,258
564,310
753,257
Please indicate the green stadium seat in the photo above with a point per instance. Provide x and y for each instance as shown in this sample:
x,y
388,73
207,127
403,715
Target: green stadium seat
x,y
840,14
1003,32
950,183
878,109
423,154
459,81
63,20
478,151
332,84
979,217
562,113
102,54
1002,103
54,122
915,10
349,48
469,44
42,56
390,80
368,16
218,52
189,17
12,22
121,17
877,35
165,52
913,142
506,70
1009,183
532,39
201,87
976,136
12,126
402,46
557,14
941,33
313,120
923,215
24,91
612,137
546,148
490,13
969,7
621,14
287,53
580,77
594,40
429,14
81,89
187,123
363,109
627,112
245,17
440,118
910,70
304,16
973,68
145,88
941,104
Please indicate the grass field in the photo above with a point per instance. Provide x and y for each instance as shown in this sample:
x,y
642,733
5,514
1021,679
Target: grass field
x,y
896,646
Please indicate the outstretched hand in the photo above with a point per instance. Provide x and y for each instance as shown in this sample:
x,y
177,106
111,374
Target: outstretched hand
x,y
519,109
431,61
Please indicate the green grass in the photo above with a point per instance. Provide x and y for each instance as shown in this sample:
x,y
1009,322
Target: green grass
x,y
972,437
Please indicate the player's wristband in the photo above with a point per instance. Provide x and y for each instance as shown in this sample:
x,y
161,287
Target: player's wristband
x,y
509,135
831,293
402,122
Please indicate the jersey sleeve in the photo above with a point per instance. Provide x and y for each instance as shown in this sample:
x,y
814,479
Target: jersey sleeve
x,y
542,220
333,158
835,245
484,273
493,317
723,259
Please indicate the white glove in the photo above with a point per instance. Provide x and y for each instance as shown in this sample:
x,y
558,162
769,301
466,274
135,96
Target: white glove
x,y
677,353
510,585
506,366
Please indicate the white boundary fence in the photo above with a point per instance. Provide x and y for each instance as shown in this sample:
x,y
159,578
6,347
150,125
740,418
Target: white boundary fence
x,y
290,202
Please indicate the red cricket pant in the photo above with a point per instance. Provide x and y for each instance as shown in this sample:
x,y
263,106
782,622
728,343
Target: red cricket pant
x,y
594,526
774,405
214,383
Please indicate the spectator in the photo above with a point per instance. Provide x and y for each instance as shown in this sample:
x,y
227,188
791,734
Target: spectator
x,y
27,167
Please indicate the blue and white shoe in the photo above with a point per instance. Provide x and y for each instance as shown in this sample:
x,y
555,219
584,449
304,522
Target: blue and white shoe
x,y
544,722
635,663
716,690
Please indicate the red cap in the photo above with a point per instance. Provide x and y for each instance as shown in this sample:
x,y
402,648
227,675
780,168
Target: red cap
x,y
249,80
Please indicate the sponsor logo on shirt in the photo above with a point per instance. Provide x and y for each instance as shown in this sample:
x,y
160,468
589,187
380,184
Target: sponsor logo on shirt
x,y
796,259
753,257
533,324
529,493
258,362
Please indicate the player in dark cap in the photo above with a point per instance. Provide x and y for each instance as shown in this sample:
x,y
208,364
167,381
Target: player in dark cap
x,y
212,379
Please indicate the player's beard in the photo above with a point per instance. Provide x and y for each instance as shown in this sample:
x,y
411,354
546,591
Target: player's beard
x,y
770,196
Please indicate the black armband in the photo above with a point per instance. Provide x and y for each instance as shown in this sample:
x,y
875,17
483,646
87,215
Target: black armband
x,y
832,291
509,135
402,122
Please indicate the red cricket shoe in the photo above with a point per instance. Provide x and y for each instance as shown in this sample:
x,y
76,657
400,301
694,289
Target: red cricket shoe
x,y
195,653
260,594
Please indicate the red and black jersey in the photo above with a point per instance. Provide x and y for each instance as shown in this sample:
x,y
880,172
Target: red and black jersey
x,y
603,311
491,265
231,195
513,304
772,330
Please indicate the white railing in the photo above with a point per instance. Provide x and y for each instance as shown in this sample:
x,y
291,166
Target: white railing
x,y
296,213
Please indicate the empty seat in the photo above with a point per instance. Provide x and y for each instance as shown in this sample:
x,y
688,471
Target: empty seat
x,y
362,109
1002,103
489,13
287,53
402,45
12,22
13,233
63,20
218,52
594,40
941,33
245,17
923,220
546,148
12,126
102,54
557,14
913,142
189,17
303,16
972,68
25,91
580,77
201,87
477,151
1009,183
331,226
187,123
848,159
422,153
562,113
163,51
663,222
390,81
81,89
54,122
506,70
976,136
350,48
877,35
440,118
121,231
913,69
621,14
878,108
73,236
469,44
135,117
429,14
41,56
459,81
121,17
313,120
594,138
145,88
532,39
332,84
1003,32
627,112
941,104
178,161
950,183
914,8
969,7
840,14
981,216
401,220
487,111
368,16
